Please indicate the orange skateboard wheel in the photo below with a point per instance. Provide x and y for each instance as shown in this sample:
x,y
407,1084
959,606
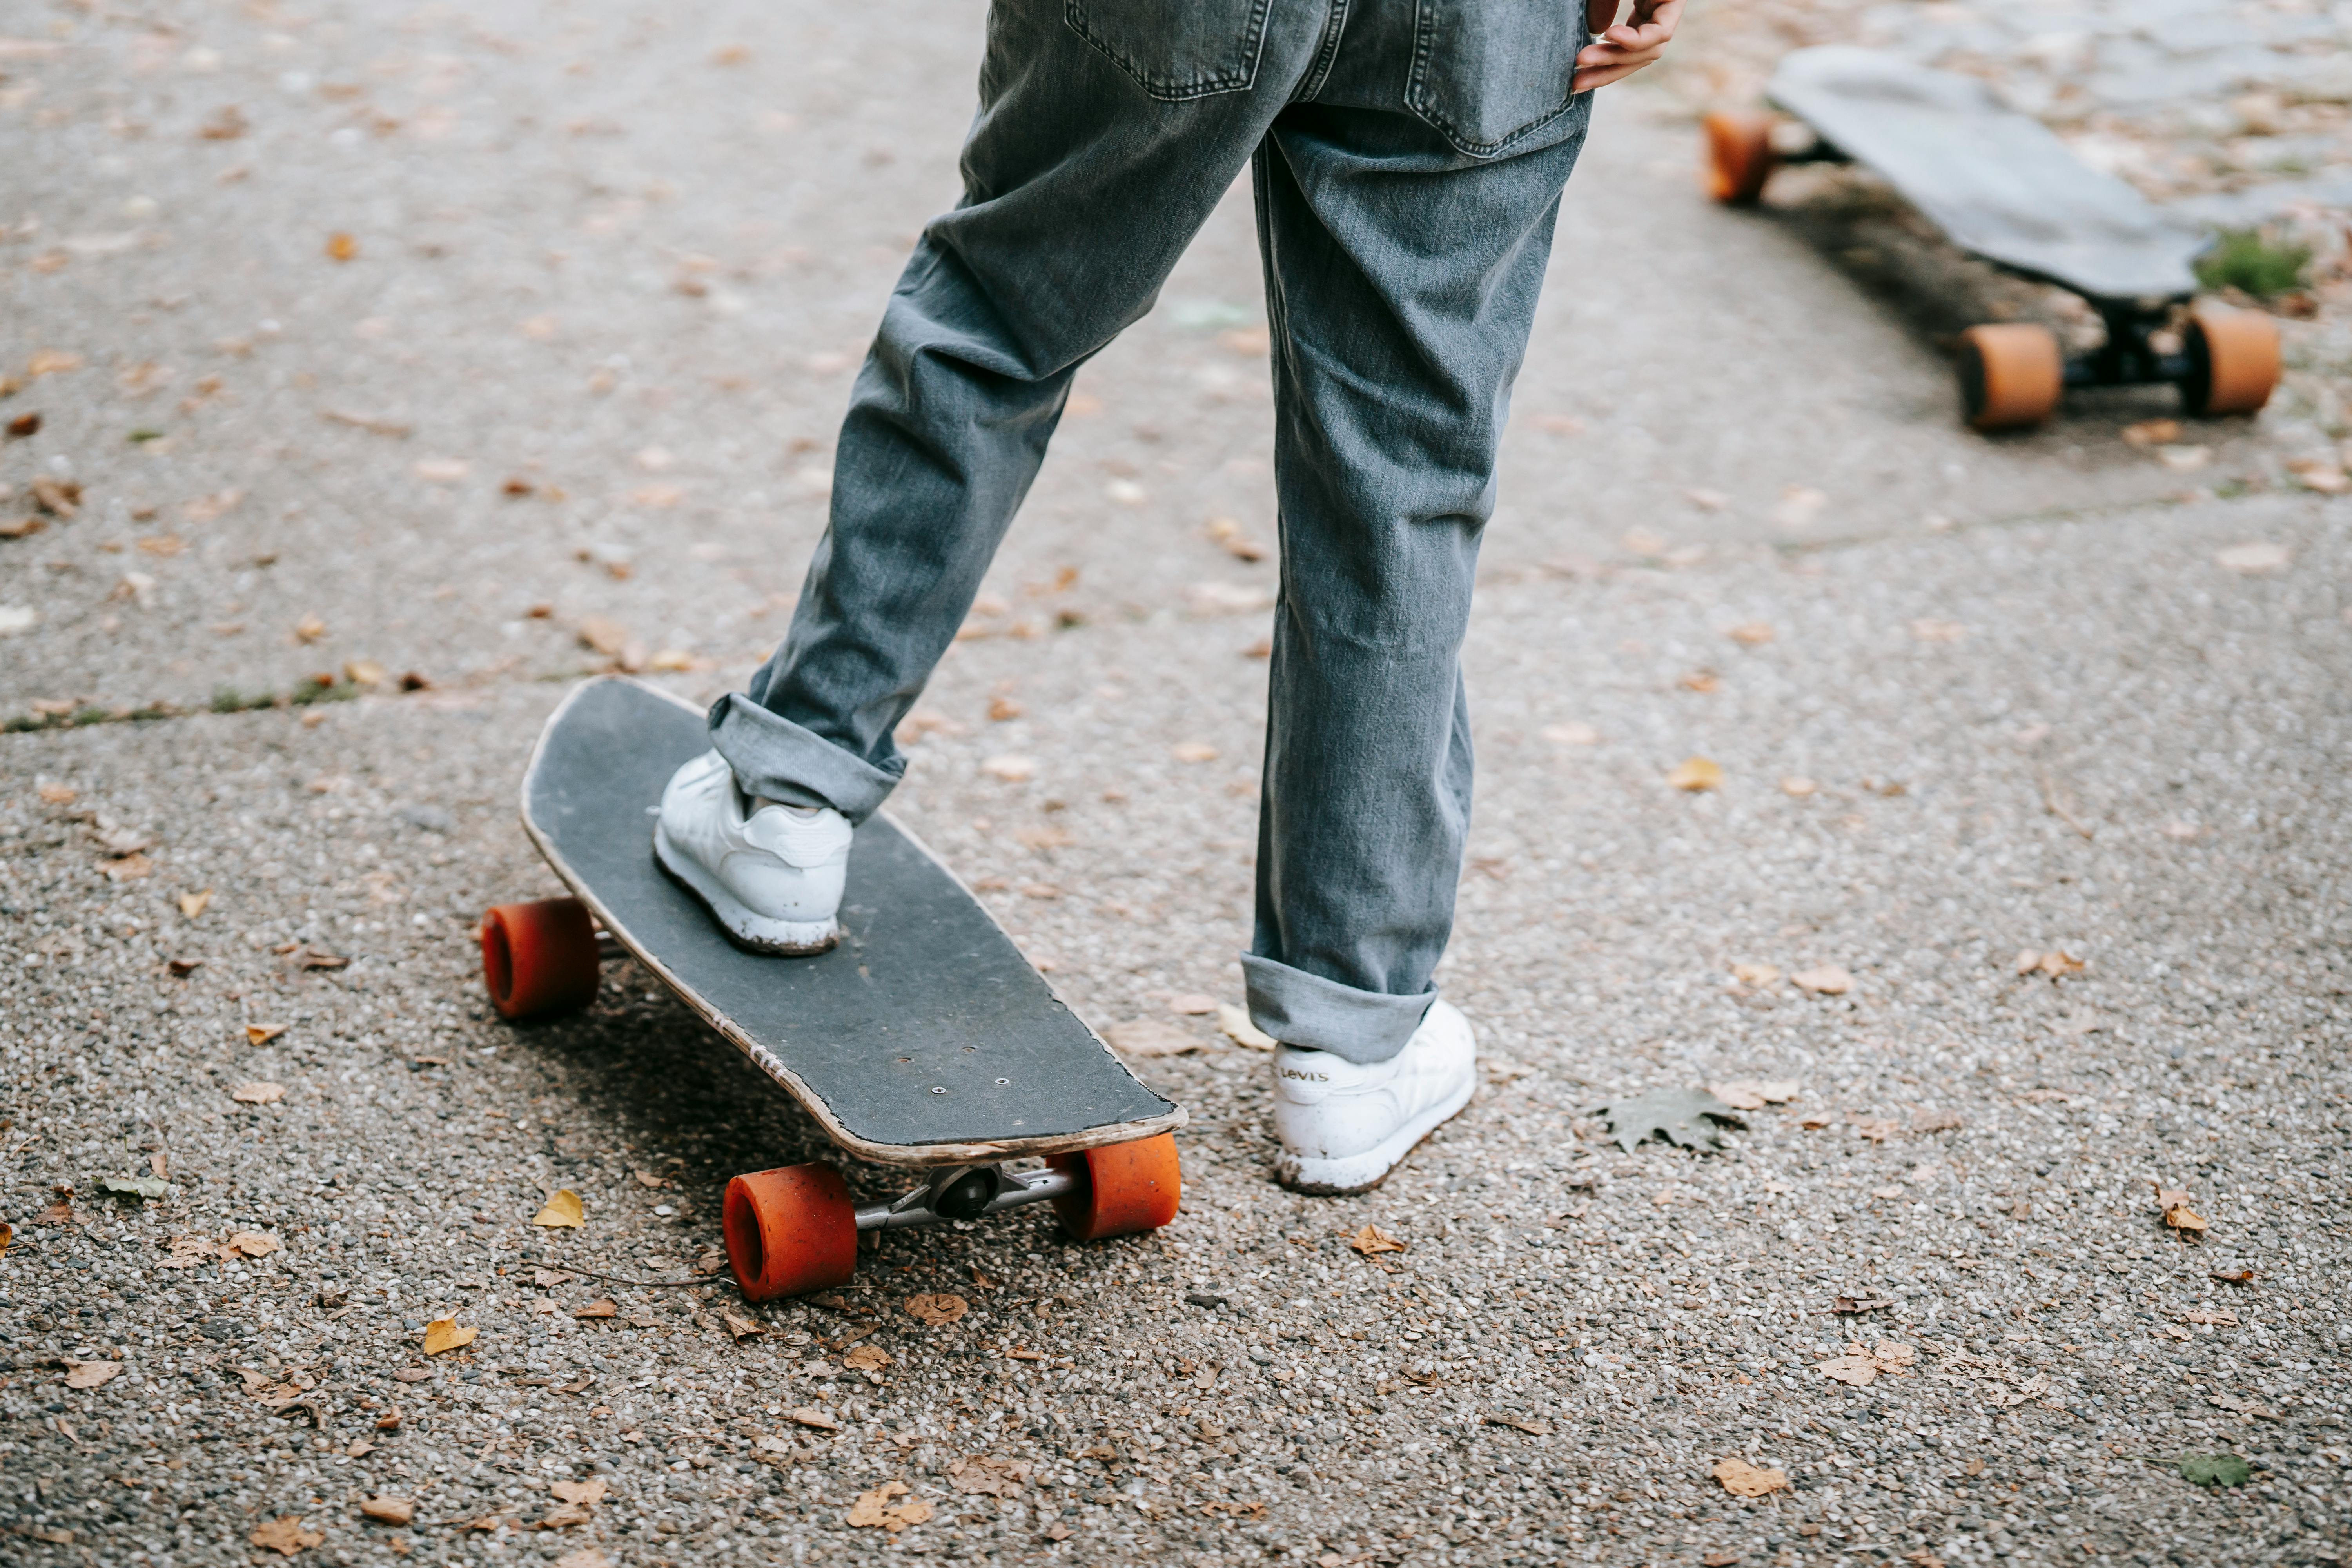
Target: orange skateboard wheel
x,y
539,958
1739,157
2233,361
1129,1187
789,1231
2010,375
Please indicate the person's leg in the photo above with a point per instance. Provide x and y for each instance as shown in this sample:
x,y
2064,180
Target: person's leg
x,y
1082,188
1403,274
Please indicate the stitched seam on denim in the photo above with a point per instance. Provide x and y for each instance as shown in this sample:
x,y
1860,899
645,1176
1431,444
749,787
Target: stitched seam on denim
x,y
1327,55
1239,78
1416,95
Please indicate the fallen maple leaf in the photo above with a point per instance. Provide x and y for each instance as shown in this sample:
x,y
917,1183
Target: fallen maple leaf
x,y
252,1243
562,1209
739,1327
598,1309
986,1474
1741,1478
1858,1370
258,1093
583,1494
285,1534
1683,1117
90,1373
1372,1240
875,1508
936,1310
1697,774
866,1358
444,1335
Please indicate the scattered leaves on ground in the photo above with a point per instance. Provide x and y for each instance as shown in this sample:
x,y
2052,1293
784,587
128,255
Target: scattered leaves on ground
x,y
988,1474
194,904
1144,1038
2177,1215
1860,1365
1741,1478
1754,1094
562,1209
1678,1116
285,1534
444,1335
1697,774
1235,1021
89,1374
1372,1240
1828,980
739,1327
599,1307
258,1093
938,1311
2056,963
1520,1423
810,1417
875,1507
2215,1470
262,1034
251,1243
389,1510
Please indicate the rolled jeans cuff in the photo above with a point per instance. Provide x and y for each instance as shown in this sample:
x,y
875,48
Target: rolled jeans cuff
x,y
1309,1011
775,757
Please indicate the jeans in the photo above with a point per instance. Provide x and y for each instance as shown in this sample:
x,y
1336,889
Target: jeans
x,y
1408,158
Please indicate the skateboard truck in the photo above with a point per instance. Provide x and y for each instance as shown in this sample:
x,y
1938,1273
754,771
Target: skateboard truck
x,y
967,1193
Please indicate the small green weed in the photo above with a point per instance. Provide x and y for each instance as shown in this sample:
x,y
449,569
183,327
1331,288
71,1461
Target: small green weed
x,y
2249,260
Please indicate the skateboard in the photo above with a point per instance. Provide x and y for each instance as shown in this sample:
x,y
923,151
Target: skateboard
x,y
922,1039
2005,189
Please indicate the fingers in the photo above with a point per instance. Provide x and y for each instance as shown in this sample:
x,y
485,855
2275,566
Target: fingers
x,y
1628,47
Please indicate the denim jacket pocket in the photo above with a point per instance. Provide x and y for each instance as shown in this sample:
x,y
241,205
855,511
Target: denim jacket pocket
x,y
1176,49
1492,75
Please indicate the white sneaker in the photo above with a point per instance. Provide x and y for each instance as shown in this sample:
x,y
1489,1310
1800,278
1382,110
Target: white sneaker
x,y
1344,1126
770,874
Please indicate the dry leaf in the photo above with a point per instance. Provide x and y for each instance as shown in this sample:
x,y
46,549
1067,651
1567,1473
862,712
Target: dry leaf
x,y
1520,1423
443,1335
2153,432
1695,774
251,1243
586,1557
89,1374
1932,630
1798,787
1828,980
1741,1478
1235,1022
2213,1319
936,1310
194,904
739,1327
1858,1370
51,361
1751,634
1877,1129
1754,1094
262,1034
258,1093
581,1494
1572,734
562,1209
1151,1037
1012,770
285,1534
2250,558
1755,974
1936,1120
866,1358
59,795
809,1415
1193,752
875,1508
987,1474
1372,1240
7,1234
599,1307
389,1510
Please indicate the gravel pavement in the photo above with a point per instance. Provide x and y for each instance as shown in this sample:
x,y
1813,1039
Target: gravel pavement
x,y
2018,897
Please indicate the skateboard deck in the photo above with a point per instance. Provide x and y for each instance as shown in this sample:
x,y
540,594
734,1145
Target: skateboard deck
x,y
923,1038
2001,185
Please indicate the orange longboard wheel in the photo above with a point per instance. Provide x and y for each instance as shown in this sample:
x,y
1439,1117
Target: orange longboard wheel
x,y
2010,375
1127,1187
539,958
789,1231
2233,361
1739,156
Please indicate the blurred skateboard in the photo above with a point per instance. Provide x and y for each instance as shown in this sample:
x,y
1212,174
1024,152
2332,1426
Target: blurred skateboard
x,y
923,1038
2004,189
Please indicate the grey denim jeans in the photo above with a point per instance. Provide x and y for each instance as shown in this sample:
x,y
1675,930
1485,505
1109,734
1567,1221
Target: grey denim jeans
x,y
1408,158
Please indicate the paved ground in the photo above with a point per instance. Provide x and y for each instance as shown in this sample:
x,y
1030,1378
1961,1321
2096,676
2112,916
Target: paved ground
x,y
2051,696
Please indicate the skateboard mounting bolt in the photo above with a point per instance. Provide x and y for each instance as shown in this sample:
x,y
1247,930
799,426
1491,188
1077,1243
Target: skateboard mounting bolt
x,y
936,1090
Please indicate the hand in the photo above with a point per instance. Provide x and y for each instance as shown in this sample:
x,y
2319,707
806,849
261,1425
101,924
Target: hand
x,y
1626,47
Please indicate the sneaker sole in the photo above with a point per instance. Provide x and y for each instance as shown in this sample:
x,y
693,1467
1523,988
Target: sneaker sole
x,y
1328,1178
744,927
